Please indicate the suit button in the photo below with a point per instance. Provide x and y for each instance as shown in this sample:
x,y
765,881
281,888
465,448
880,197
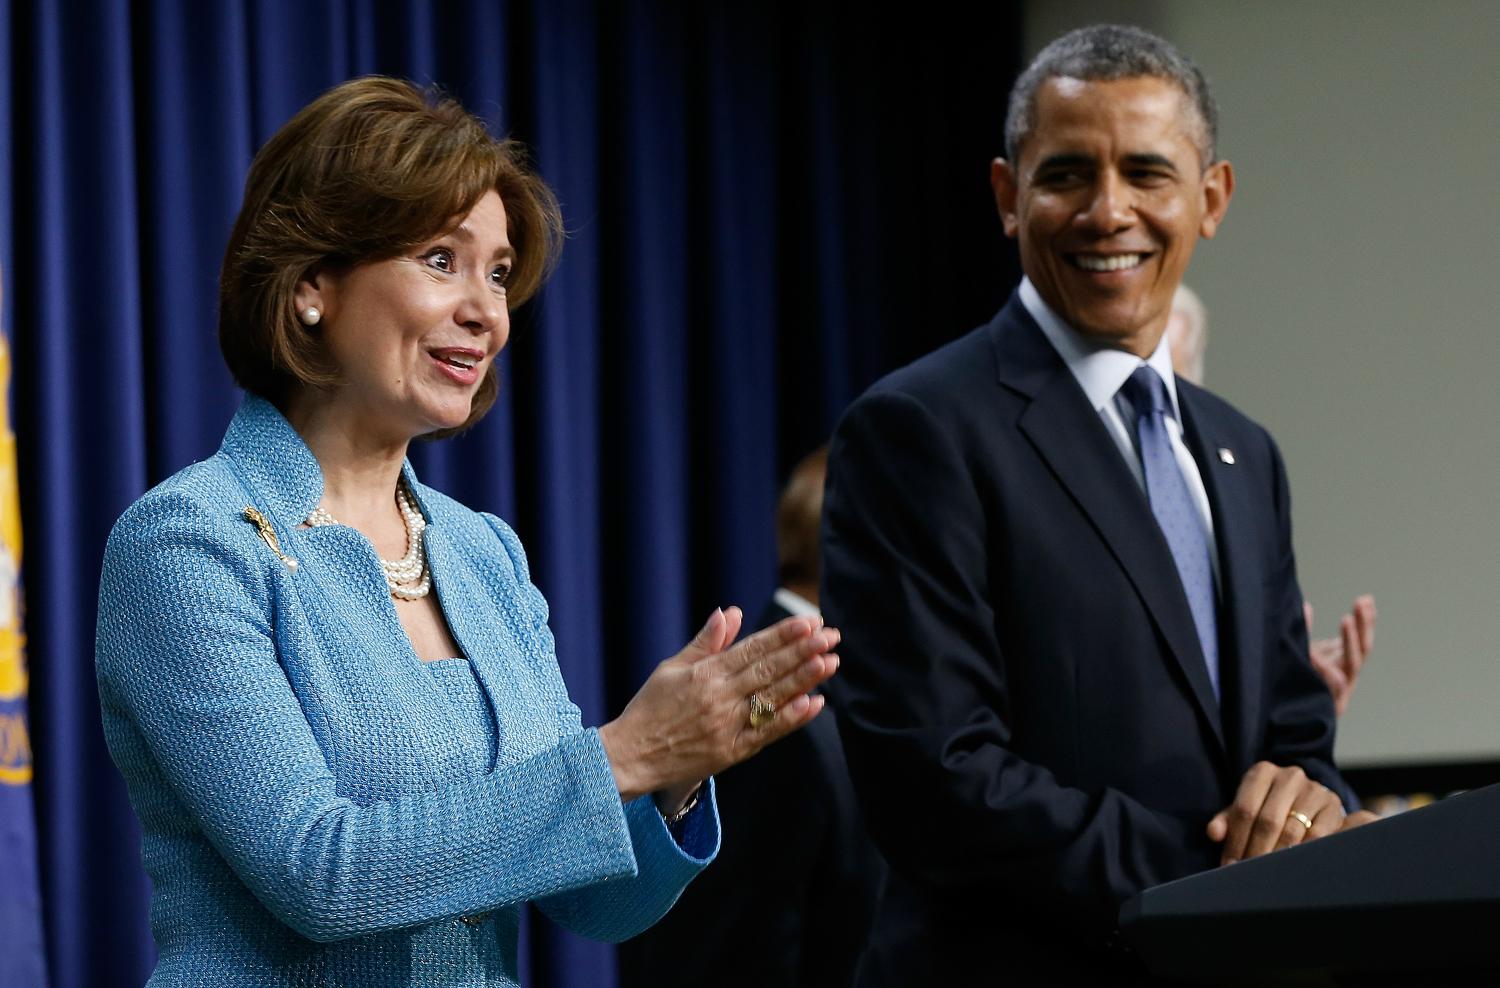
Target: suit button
x,y
475,920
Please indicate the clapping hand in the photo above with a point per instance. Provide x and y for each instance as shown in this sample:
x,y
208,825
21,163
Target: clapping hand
x,y
714,704
1339,660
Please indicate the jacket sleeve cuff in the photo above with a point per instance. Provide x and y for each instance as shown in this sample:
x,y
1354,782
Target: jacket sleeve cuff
x,y
696,841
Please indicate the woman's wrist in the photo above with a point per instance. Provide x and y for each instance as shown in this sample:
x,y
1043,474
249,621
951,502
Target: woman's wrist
x,y
621,764
677,802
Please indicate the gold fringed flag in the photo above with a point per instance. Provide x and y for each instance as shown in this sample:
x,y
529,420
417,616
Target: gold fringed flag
x,y
22,960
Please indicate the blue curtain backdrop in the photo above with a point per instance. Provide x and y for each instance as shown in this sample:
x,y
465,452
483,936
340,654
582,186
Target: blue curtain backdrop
x,y
769,205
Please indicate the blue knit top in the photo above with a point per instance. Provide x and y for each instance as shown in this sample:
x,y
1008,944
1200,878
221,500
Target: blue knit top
x,y
320,807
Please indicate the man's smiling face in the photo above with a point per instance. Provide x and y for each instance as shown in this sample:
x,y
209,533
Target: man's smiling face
x,y
1108,199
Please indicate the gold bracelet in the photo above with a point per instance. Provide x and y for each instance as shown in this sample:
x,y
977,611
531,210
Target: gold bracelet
x,y
680,815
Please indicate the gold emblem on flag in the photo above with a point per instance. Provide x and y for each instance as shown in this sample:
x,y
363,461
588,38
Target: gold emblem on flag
x,y
15,743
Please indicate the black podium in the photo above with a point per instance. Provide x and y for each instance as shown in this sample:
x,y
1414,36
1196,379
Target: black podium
x,y
1399,900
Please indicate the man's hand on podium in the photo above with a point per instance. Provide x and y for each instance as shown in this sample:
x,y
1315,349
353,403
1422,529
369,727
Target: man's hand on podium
x,y
1278,806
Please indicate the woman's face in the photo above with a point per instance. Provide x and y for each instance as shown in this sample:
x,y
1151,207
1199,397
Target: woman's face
x,y
413,336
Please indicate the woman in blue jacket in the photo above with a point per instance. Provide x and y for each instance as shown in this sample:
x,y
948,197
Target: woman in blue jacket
x,y
331,689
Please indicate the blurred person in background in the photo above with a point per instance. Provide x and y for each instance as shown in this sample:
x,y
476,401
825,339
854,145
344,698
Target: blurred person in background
x,y
793,805
1338,660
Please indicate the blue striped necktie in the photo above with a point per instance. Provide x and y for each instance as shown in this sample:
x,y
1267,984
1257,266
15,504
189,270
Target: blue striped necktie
x,y
1172,504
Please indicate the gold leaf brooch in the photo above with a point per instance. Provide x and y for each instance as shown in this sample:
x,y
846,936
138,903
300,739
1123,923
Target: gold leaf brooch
x,y
268,536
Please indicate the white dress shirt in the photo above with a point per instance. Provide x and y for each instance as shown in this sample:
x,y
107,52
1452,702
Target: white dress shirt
x,y
1101,371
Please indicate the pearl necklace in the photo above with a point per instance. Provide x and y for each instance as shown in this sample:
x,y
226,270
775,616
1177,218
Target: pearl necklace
x,y
408,577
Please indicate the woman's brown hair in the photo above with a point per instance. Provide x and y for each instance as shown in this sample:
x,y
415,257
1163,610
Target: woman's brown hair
x,y
371,168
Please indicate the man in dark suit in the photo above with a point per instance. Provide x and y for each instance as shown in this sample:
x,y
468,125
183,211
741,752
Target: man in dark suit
x,y
790,898
1075,662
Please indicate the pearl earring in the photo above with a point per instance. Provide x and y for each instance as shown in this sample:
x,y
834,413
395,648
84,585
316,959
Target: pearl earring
x,y
310,315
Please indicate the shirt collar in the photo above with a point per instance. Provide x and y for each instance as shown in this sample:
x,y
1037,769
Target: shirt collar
x,y
794,603
1099,370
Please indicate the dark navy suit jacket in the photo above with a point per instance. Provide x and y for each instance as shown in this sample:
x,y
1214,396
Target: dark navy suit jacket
x,y
1023,699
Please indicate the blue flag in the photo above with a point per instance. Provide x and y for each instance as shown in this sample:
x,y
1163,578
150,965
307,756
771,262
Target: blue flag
x,y
22,959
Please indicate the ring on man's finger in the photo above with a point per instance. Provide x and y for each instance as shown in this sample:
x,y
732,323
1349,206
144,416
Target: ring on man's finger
x,y
1301,818
762,711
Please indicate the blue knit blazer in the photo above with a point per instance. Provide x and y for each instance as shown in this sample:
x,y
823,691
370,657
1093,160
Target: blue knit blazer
x,y
310,808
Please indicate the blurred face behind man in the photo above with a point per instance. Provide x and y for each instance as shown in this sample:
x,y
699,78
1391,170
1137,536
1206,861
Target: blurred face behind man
x,y
1107,199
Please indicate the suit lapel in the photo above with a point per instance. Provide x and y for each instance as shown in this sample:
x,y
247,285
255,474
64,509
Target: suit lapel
x,y
1240,570
1068,434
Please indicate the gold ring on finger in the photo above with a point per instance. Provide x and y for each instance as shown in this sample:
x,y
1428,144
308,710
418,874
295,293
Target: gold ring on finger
x,y
1301,818
762,711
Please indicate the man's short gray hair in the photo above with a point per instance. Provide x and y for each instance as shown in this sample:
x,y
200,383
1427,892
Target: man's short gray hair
x,y
1105,52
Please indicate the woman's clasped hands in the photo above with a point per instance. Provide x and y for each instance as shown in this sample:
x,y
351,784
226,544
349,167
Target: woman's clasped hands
x,y
716,703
